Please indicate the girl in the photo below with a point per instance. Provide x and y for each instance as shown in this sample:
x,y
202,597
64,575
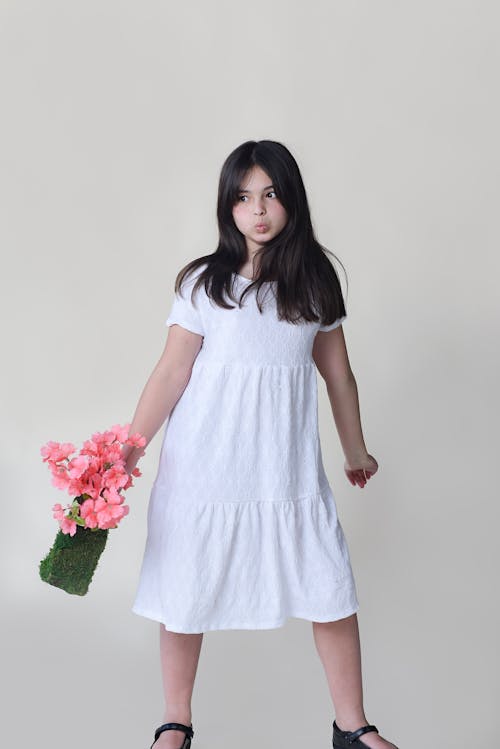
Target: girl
x,y
242,523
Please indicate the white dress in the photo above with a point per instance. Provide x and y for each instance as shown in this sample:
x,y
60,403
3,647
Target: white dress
x,y
243,531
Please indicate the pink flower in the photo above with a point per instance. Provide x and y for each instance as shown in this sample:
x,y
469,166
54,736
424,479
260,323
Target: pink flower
x,y
104,438
87,511
115,477
77,466
89,448
58,511
95,478
55,451
113,496
113,454
105,518
92,485
119,511
121,432
100,504
60,476
68,526
137,440
109,517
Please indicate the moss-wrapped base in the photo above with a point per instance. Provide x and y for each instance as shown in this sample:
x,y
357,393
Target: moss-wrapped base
x,y
71,562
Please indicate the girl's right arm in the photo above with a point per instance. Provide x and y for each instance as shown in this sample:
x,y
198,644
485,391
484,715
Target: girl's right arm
x,y
163,389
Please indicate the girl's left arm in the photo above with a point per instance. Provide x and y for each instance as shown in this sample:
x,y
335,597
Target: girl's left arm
x,y
331,358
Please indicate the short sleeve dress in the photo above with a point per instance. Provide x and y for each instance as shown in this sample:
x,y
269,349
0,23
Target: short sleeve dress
x,y
242,528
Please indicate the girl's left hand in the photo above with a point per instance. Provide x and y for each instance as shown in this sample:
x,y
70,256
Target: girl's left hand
x,y
359,471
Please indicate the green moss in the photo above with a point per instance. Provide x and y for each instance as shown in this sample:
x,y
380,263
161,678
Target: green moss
x,y
71,562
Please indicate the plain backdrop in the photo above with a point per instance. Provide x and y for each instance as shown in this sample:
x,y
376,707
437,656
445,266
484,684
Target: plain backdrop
x,y
115,120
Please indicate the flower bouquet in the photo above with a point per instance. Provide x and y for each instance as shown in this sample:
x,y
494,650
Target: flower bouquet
x,y
96,476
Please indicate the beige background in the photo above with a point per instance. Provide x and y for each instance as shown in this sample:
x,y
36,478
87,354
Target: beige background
x,y
116,118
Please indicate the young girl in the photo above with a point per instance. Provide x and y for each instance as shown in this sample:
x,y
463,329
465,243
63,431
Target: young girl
x,y
243,529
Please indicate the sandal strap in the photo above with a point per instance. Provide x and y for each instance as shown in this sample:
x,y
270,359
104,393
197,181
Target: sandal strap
x,y
351,736
188,730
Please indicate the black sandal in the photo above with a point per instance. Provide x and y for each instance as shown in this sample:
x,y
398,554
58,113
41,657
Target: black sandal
x,y
350,739
188,730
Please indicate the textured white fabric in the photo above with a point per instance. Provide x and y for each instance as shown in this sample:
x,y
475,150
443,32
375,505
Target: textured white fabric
x,y
243,529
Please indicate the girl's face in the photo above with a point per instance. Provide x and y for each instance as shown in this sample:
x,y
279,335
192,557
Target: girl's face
x,y
258,213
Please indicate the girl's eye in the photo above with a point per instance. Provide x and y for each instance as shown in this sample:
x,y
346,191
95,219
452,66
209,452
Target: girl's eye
x,y
271,192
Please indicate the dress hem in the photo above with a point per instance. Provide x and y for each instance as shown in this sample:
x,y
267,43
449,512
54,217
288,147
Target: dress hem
x,y
239,625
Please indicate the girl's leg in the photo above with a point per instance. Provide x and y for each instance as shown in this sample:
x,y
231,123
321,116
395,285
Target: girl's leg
x,y
339,649
179,655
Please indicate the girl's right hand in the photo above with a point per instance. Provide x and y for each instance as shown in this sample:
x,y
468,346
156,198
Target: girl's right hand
x,y
358,471
132,457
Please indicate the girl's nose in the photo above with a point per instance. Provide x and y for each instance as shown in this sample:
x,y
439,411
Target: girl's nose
x,y
259,208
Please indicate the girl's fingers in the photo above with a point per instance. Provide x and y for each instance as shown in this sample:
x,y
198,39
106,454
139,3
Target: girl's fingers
x,y
358,477
355,478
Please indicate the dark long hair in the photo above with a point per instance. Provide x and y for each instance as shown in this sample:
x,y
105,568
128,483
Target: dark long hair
x,y
307,284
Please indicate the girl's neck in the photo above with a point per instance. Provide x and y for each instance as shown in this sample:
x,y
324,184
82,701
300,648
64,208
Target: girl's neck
x,y
250,269
247,271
